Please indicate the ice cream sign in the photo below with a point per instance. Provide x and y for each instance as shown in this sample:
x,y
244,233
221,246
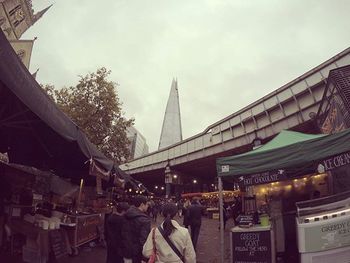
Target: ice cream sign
x,y
334,162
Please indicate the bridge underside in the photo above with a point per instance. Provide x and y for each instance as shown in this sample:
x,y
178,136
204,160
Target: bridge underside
x,y
204,169
292,106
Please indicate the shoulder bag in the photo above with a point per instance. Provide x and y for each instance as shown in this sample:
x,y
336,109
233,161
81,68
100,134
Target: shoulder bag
x,y
152,258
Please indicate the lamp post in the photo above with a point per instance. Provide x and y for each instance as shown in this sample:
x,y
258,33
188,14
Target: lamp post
x,y
221,210
257,143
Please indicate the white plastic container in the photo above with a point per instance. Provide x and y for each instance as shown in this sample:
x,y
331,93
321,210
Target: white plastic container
x,y
45,224
52,225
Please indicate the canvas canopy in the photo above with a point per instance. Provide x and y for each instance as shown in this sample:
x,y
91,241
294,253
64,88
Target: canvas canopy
x,y
291,151
34,131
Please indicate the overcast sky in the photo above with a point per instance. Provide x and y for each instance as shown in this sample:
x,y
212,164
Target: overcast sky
x,y
225,54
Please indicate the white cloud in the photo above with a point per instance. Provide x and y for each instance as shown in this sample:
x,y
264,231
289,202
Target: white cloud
x,y
225,54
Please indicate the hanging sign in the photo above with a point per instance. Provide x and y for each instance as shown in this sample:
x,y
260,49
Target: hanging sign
x,y
225,168
262,178
334,162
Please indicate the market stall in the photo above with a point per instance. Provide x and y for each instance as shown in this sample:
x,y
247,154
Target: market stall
x,y
82,229
293,167
47,215
55,143
211,200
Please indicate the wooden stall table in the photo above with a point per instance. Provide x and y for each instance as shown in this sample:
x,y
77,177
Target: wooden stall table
x,y
213,212
83,229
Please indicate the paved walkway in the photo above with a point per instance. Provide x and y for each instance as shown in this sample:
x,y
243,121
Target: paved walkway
x,y
208,247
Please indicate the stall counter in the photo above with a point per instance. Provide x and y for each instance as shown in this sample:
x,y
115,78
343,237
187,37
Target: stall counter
x,y
213,212
83,229
253,244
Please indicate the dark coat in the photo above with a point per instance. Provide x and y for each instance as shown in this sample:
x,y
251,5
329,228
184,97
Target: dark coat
x,y
194,213
135,232
113,233
114,226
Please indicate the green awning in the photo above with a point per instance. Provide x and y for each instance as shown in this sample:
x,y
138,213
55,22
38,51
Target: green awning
x,y
284,138
289,151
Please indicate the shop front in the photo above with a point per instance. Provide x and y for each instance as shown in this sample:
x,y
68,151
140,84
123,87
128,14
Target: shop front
x,y
48,217
292,169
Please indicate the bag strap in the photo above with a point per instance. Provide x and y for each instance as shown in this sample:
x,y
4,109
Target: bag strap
x,y
154,241
171,244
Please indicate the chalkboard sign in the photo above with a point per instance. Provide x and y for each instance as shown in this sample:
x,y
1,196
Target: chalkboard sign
x,y
58,243
245,220
251,247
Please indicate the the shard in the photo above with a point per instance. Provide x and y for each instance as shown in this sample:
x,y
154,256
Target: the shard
x,y
171,129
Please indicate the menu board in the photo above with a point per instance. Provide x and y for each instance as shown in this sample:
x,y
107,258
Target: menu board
x,y
251,247
58,242
245,219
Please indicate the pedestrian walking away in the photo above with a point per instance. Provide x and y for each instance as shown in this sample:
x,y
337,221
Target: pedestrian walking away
x,y
155,210
194,214
114,224
170,242
136,230
185,214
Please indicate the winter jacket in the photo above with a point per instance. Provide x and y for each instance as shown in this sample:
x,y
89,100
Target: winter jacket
x,y
194,213
114,226
135,232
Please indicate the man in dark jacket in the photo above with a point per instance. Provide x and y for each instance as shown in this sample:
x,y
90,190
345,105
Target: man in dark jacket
x,y
195,220
114,225
136,230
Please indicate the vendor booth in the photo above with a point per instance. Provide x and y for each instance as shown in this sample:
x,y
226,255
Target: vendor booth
x,y
36,133
274,180
211,201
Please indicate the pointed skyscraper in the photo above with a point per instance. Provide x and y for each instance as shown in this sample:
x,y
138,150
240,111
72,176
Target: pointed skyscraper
x,y
171,129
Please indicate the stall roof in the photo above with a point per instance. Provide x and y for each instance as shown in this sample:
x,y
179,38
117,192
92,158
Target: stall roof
x,y
291,151
284,138
33,130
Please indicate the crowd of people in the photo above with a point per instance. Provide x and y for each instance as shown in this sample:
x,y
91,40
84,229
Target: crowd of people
x,y
130,238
